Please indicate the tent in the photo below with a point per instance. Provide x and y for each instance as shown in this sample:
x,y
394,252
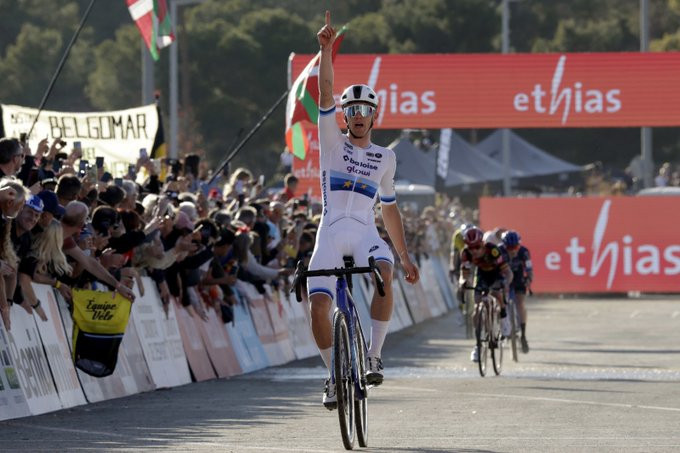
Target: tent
x,y
466,164
526,160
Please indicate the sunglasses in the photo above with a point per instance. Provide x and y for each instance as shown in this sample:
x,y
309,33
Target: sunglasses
x,y
363,109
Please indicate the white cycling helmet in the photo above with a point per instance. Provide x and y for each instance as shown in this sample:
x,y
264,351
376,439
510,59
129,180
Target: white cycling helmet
x,y
359,94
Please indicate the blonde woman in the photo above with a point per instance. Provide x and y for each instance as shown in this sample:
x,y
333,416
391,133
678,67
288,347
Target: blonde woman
x,y
46,264
10,207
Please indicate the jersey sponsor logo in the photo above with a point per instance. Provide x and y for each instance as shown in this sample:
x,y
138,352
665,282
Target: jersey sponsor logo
x,y
359,164
373,249
348,148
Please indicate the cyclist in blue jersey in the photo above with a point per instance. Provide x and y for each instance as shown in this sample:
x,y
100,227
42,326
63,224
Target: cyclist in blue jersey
x,y
354,172
519,259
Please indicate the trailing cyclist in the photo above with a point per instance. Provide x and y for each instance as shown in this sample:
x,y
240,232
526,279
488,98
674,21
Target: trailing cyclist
x,y
519,259
492,274
457,246
354,172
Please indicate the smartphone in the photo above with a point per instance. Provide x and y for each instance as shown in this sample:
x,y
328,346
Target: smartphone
x,y
82,167
118,182
100,161
260,180
143,154
56,166
76,145
131,171
22,138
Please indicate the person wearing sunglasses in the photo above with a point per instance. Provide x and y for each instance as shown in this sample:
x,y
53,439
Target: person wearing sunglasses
x,y
354,173
519,259
484,263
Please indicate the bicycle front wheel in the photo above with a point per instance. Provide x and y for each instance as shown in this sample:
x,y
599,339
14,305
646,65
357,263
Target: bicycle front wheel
x,y
482,338
497,343
344,387
361,397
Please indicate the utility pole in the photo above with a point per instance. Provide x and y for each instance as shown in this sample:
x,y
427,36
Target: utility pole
x,y
148,87
505,147
646,132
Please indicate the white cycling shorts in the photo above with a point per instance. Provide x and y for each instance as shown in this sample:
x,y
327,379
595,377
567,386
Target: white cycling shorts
x,y
345,237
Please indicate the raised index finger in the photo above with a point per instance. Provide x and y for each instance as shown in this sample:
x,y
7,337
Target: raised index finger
x,y
328,17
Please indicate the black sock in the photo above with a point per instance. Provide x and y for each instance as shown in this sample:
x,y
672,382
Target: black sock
x,y
503,313
523,326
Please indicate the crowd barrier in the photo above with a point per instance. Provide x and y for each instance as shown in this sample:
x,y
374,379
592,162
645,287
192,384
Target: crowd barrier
x,y
162,350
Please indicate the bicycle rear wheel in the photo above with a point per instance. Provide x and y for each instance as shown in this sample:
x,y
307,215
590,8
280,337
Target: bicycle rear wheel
x,y
496,342
361,401
482,338
469,307
512,312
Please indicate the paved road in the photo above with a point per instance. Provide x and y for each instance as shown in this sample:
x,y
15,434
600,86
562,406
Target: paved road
x,y
602,375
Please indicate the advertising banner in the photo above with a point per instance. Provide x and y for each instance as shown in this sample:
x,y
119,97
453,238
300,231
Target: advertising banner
x,y
193,344
54,340
594,244
115,135
434,91
31,365
12,400
244,338
148,318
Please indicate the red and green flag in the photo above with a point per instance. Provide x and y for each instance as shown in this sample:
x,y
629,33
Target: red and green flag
x,y
153,21
302,108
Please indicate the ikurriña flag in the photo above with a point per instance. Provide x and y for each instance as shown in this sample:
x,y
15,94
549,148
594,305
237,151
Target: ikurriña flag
x,y
303,102
153,21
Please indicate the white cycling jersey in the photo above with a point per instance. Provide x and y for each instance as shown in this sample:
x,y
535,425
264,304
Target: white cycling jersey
x,y
352,177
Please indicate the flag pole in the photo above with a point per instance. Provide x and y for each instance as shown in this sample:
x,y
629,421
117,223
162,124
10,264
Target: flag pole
x,y
60,66
255,128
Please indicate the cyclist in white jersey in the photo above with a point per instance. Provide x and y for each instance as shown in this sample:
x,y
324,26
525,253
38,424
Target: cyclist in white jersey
x,y
354,172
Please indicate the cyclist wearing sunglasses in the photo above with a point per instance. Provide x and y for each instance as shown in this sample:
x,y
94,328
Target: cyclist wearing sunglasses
x,y
519,259
492,273
354,172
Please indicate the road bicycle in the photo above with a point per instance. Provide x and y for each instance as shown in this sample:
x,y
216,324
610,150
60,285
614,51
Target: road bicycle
x,y
488,332
349,348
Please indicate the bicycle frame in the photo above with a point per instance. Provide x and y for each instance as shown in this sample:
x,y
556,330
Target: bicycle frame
x,y
345,304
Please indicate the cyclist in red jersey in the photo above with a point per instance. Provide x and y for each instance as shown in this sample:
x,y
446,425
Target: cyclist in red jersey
x,y
491,271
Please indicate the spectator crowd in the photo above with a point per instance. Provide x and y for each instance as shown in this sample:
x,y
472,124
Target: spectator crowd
x,y
68,225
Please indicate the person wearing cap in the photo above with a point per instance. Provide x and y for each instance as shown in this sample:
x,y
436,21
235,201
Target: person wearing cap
x,y
49,183
51,210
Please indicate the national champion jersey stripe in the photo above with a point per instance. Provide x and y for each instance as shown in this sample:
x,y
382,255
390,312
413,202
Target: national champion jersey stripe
x,y
327,112
343,181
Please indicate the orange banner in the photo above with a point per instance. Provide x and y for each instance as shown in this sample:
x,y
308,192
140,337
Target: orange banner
x,y
516,90
596,244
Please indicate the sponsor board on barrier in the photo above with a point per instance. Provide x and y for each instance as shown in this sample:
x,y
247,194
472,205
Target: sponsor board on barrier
x,y
160,348
433,294
193,344
594,244
258,312
443,279
217,344
279,320
31,364
12,400
53,338
416,306
249,350
299,324
400,310
134,358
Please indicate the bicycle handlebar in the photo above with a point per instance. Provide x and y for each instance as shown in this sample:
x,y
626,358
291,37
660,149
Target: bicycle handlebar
x,y
301,272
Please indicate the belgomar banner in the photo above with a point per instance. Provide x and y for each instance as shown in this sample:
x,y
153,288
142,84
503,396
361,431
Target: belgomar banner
x,y
116,135
434,91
